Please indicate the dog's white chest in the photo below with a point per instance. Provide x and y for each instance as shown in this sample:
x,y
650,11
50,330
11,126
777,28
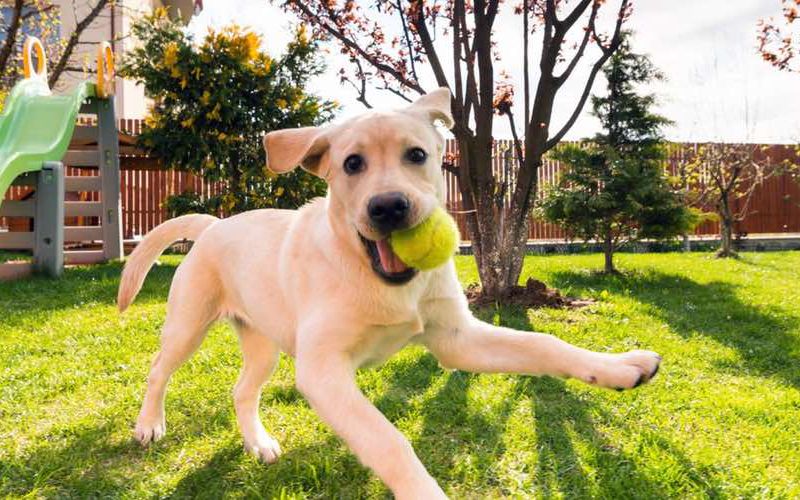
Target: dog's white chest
x,y
380,342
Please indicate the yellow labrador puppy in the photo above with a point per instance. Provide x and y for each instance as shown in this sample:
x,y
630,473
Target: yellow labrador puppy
x,y
322,284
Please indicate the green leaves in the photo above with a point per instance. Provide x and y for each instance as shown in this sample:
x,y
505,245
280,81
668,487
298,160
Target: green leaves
x,y
213,100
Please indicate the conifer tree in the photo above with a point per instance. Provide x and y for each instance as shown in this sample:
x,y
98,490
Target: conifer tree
x,y
615,189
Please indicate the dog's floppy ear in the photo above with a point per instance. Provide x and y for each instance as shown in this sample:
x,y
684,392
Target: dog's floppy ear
x,y
289,148
434,106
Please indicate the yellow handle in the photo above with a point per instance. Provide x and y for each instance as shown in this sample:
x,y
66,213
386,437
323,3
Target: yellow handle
x,y
105,70
32,43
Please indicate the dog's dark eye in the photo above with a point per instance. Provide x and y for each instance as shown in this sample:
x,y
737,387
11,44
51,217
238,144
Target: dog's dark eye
x,y
353,164
416,156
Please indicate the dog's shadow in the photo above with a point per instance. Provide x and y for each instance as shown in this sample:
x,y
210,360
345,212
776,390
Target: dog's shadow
x,y
62,465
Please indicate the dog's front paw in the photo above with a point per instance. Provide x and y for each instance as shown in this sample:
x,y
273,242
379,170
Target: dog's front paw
x,y
626,370
149,430
265,448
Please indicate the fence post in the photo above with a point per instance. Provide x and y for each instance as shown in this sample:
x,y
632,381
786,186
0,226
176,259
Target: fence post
x,y
48,247
108,144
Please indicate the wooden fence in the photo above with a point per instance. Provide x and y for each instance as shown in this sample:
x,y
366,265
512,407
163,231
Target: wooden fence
x,y
774,206
145,185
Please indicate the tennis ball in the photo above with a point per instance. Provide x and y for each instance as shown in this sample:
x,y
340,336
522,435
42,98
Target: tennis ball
x,y
429,244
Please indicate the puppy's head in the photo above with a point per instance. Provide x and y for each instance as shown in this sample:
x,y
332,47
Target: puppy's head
x,y
383,171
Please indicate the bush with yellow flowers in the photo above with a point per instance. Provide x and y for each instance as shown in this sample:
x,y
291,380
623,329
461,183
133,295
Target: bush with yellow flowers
x,y
214,99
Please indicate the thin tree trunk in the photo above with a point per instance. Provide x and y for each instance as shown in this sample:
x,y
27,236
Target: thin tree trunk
x,y
687,244
608,250
726,230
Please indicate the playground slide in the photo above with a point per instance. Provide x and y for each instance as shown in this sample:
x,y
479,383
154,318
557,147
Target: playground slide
x,y
36,126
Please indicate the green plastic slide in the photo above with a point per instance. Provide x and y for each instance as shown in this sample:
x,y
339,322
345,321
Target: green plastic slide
x,y
36,126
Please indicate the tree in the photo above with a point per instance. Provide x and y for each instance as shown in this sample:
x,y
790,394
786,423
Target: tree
x,y
498,210
40,18
614,188
723,178
779,39
213,102
684,180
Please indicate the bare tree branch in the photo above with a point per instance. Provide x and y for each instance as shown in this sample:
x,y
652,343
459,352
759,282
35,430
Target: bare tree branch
x,y
361,89
526,72
606,53
418,20
398,93
407,38
560,79
80,27
11,35
36,12
355,47
515,136
565,24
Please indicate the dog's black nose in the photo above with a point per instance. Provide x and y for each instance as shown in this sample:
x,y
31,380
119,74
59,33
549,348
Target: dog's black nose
x,y
389,211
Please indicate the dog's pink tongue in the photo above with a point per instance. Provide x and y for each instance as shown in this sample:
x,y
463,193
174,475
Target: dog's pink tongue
x,y
389,261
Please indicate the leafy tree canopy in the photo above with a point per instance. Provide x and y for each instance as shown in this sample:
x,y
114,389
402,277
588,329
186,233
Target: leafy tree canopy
x,y
214,100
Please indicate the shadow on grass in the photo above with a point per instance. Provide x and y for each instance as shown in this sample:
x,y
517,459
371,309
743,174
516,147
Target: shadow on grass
x,y
85,463
456,441
574,458
763,338
91,462
405,380
565,421
326,468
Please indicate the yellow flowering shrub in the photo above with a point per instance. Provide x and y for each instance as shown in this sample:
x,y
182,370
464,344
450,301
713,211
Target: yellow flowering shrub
x,y
213,101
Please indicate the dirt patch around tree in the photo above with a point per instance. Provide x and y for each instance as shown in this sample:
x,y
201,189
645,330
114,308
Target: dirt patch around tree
x,y
534,294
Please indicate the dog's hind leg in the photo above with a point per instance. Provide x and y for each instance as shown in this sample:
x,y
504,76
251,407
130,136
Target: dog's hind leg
x,y
259,356
189,314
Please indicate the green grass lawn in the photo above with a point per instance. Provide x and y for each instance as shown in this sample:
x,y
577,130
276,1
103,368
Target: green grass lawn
x,y
722,419
6,256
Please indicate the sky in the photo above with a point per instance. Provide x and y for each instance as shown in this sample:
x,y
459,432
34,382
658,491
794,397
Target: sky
x,y
717,88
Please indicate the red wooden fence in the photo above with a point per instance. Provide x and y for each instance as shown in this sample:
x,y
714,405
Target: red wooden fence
x,y
145,185
774,206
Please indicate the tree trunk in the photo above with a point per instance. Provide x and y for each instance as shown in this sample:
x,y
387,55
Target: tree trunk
x,y
726,239
498,235
500,263
687,244
726,230
608,251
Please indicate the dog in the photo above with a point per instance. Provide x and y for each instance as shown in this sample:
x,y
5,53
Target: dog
x,y
322,284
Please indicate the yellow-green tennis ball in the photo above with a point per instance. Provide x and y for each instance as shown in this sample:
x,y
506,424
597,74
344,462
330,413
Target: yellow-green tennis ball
x,y
429,244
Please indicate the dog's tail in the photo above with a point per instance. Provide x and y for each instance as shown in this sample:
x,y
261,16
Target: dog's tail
x,y
186,227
